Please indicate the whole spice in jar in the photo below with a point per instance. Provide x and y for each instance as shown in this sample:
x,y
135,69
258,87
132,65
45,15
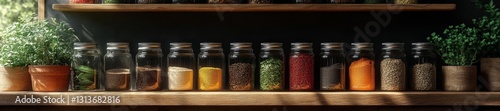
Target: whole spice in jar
x,y
210,78
331,77
148,79
424,76
405,1
240,76
85,78
117,79
302,72
81,1
393,74
362,74
271,74
180,78
259,1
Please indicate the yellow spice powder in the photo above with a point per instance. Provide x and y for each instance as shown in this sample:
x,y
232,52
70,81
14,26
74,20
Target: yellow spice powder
x,y
210,78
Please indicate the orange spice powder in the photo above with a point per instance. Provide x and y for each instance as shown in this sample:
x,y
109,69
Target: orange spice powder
x,y
362,75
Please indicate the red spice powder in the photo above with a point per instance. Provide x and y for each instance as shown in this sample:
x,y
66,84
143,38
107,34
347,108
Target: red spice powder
x,y
302,72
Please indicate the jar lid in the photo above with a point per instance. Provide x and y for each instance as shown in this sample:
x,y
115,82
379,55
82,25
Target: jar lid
x,y
210,45
393,46
241,45
180,45
149,45
117,45
362,46
84,45
332,46
271,46
299,46
422,46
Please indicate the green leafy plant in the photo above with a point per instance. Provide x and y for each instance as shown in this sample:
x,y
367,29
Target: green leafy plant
x,y
11,10
462,45
33,42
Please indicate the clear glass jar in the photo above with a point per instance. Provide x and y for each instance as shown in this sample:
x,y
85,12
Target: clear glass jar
x,y
86,67
118,65
402,1
342,1
424,67
181,64
301,66
272,66
148,63
362,67
211,67
241,66
332,69
393,67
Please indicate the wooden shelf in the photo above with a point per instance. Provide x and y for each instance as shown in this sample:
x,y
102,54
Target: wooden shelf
x,y
249,7
268,98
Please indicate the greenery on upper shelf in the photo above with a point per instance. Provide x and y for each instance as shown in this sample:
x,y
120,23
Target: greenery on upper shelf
x,y
11,10
463,45
33,42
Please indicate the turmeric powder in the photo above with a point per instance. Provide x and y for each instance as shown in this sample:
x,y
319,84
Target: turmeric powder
x,y
362,74
210,78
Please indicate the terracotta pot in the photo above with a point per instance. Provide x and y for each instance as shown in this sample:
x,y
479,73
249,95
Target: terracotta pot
x,y
50,78
490,70
459,78
15,79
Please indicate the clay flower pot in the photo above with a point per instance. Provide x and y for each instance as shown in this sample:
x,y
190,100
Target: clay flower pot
x,y
459,78
15,79
490,70
50,78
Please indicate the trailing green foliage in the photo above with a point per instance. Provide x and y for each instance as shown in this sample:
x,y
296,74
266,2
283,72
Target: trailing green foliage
x,y
462,45
33,42
11,10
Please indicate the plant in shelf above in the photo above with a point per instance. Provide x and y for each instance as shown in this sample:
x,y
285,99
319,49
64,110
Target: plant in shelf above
x,y
46,45
489,29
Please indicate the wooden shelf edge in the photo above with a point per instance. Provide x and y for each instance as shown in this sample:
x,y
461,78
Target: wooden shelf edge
x,y
265,98
249,7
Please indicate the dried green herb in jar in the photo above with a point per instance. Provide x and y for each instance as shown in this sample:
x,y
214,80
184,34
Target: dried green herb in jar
x,y
271,74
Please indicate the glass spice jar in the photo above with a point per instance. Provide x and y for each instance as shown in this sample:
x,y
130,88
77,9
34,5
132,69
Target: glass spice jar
x,y
86,67
393,67
342,1
241,66
424,67
301,67
117,64
82,1
362,67
332,70
148,67
211,67
181,65
272,66
149,1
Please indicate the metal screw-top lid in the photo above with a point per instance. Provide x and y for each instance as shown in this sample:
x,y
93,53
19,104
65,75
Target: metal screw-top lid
x,y
241,45
422,46
362,46
84,45
301,46
149,46
271,46
393,46
180,45
332,46
117,45
208,46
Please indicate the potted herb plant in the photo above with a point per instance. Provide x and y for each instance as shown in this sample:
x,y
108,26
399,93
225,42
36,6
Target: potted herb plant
x,y
14,57
48,49
459,48
489,28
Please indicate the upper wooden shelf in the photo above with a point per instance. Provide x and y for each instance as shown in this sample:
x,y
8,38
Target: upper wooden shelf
x,y
249,7
265,98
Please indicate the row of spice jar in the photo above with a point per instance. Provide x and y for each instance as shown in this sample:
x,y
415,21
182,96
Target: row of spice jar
x,y
242,63
238,1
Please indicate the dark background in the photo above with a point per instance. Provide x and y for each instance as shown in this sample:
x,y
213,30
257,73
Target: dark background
x,y
285,27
